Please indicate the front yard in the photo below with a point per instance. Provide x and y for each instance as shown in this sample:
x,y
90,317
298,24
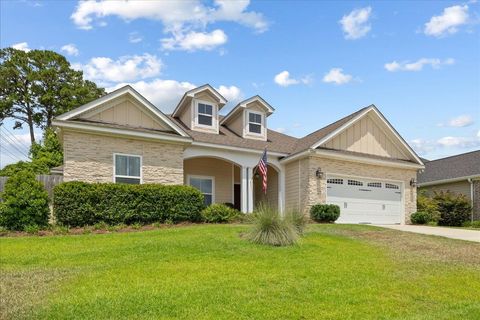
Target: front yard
x,y
209,272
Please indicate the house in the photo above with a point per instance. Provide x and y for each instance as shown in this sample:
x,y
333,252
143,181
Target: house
x,y
359,162
459,174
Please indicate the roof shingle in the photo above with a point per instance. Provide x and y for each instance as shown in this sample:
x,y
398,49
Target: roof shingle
x,y
462,165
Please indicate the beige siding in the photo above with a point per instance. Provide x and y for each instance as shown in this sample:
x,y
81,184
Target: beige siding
x,y
272,189
89,157
207,96
186,117
301,193
460,187
236,124
221,170
367,136
126,112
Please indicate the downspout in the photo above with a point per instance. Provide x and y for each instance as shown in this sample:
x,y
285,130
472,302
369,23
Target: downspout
x,y
471,195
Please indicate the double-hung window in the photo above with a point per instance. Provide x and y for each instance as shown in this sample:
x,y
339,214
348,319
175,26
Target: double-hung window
x,y
205,185
205,114
254,122
128,169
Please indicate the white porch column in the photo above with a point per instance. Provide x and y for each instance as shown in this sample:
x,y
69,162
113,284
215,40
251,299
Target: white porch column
x,y
250,189
243,190
281,191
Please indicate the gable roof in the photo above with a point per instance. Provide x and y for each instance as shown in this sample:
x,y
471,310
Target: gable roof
x,y
115,94
319,137
243,104
191,93
455,167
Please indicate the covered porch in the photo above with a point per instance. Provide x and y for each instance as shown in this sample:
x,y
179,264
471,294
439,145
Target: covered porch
x,y
236,183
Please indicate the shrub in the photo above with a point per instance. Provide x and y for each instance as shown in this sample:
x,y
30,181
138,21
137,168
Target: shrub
x,y
472,224
325,213
420,217
428,205
298,219
219,213
454,209
270,229
32,229
25,202
78,204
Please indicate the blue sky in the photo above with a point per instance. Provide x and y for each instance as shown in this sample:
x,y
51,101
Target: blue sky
x,y
418,62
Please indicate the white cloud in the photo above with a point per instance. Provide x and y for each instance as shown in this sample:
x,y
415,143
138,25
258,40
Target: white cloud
x,y
185,20
231,93
165,94
459,142
70,49
126,68
281,130
422,146
283,79
336,75
461,121
21,46
448,22
134,37
355,24
193,41
417,65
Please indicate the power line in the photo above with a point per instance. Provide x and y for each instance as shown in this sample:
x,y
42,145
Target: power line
x,y
10,154
17,141
12,144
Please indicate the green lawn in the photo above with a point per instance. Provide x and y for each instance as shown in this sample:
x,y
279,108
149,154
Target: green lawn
x,y
209,272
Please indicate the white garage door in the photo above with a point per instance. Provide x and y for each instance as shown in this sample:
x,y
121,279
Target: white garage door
x,y
365,200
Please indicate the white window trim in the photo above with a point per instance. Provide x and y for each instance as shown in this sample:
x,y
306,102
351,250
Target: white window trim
x,y
128,177
212,178
262,124
214,125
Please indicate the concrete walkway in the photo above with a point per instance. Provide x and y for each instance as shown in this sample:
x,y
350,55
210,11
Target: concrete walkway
x,y
453,233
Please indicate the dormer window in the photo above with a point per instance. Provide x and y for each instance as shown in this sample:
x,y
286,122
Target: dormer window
x,y
255,122
205,114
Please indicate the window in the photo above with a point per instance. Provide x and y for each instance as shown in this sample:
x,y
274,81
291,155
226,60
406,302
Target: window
x,y
205,114
128,169
375,184
205,185
391,186
255,123
335,181
355,183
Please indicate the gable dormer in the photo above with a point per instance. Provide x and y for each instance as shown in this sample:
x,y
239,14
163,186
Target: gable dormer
x,y
249,118
198,109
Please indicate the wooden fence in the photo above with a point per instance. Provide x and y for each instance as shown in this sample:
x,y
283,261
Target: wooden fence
x,y
48,180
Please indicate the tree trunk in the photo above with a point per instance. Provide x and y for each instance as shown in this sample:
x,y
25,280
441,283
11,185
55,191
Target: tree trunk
x,y
30,126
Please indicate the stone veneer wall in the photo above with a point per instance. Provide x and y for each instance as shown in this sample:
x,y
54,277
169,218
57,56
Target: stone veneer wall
x,y
89,157
476,199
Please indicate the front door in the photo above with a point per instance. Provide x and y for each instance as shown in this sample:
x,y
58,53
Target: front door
x,y
236,196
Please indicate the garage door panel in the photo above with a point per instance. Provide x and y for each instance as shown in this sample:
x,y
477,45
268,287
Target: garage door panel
x,y
365,200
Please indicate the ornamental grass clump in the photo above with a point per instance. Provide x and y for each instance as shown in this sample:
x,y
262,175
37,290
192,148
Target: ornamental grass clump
x,y
271,229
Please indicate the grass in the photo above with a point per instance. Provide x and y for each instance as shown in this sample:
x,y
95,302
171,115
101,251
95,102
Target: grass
x,y
210,272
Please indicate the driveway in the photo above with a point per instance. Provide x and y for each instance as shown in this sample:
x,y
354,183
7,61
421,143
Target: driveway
x,y
453,233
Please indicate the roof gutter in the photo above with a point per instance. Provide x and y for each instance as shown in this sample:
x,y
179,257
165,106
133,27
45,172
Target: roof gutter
x,y
432,183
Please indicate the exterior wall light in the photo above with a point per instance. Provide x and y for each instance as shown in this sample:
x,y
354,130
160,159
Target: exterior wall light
x,y
319,174
413,182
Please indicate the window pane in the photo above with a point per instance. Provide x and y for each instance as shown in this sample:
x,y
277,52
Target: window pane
x,y
205,108
196,183
206,186
208,199
121,165
253,117
255,128
127,180
208,109
134,166
205,120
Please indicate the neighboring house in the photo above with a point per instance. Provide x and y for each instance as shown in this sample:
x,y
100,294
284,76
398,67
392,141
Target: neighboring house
x,y
459,174
359,162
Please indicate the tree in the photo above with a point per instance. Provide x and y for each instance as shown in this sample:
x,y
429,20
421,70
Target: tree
x,y
38,85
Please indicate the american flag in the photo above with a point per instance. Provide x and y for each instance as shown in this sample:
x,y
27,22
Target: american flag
x,y
262,167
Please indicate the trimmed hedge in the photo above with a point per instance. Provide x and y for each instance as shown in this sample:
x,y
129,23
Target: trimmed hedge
x,y
79,204
420,217
325,212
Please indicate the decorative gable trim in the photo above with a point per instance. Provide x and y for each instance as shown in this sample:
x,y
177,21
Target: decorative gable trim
x,y
98,103
243,104
392,130
191,94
